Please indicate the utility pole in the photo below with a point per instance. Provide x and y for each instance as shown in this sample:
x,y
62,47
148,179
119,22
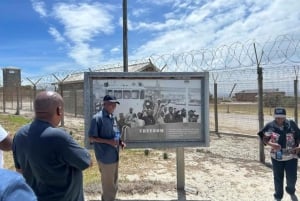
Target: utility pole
x,y
125,38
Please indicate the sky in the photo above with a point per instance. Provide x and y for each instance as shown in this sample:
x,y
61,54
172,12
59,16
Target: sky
x,y
45,36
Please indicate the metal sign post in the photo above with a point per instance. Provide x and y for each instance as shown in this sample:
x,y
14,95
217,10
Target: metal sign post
x,y
180,168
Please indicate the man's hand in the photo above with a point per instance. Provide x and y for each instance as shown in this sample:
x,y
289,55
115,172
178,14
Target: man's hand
x,y
122,144
111,142
91,163
274,146
6,144
296,150
19,171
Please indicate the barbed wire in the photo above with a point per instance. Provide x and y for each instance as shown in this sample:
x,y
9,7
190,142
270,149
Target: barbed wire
x,y
248,75
234,61
55,77
284,49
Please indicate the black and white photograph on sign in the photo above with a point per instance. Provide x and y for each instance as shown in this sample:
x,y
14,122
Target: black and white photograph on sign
x,y
153,109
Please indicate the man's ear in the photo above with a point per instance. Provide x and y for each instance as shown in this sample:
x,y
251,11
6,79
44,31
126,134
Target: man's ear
x,y
58,111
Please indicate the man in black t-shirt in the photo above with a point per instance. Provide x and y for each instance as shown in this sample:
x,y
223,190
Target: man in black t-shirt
x,y
48,157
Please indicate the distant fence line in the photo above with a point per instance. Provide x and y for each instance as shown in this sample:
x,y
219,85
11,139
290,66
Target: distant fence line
x,y
233,68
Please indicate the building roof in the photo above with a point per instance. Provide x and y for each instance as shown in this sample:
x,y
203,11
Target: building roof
x,y
11,68
138,67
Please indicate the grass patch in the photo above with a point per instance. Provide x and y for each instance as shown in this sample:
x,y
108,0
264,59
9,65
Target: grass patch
x,y
11,123
92,174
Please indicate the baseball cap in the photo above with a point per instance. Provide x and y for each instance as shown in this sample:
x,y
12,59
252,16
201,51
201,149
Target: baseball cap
x,y
279,112
111,99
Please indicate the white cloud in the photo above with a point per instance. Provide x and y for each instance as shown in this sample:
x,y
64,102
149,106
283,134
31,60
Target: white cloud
x,y
160,2
176,25
129,23
216,23
139,11
57,36
85,55
153,26
115,50
82,22
39,7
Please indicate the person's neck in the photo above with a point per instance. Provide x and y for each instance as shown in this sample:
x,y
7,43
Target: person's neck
x,y
46,120
107,111
279,124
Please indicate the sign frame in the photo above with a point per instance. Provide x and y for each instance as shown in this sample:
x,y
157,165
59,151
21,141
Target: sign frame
x,y
203,77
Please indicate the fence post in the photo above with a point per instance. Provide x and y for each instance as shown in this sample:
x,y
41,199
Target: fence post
x,y
34,88
216,104
60,84
296,94
62,121
216,107
75,102
260,105
4,97
18,98
296,99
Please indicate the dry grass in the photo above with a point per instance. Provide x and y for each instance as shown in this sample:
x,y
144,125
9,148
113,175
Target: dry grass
x,y
11,123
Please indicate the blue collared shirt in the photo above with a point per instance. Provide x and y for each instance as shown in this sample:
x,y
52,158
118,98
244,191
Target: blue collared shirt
x,y
102,127
13,187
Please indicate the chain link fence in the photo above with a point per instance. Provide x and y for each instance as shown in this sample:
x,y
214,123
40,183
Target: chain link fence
x,y
233,73
233,86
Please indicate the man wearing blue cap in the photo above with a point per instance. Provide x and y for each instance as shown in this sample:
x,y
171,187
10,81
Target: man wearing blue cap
x,y
105,136
283,136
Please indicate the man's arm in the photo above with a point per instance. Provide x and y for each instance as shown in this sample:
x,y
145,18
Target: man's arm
x,y
111,142
273,145
15,158
6,144
74,155
296,150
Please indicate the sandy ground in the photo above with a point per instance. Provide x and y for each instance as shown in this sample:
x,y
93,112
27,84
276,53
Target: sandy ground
x,y
227,170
